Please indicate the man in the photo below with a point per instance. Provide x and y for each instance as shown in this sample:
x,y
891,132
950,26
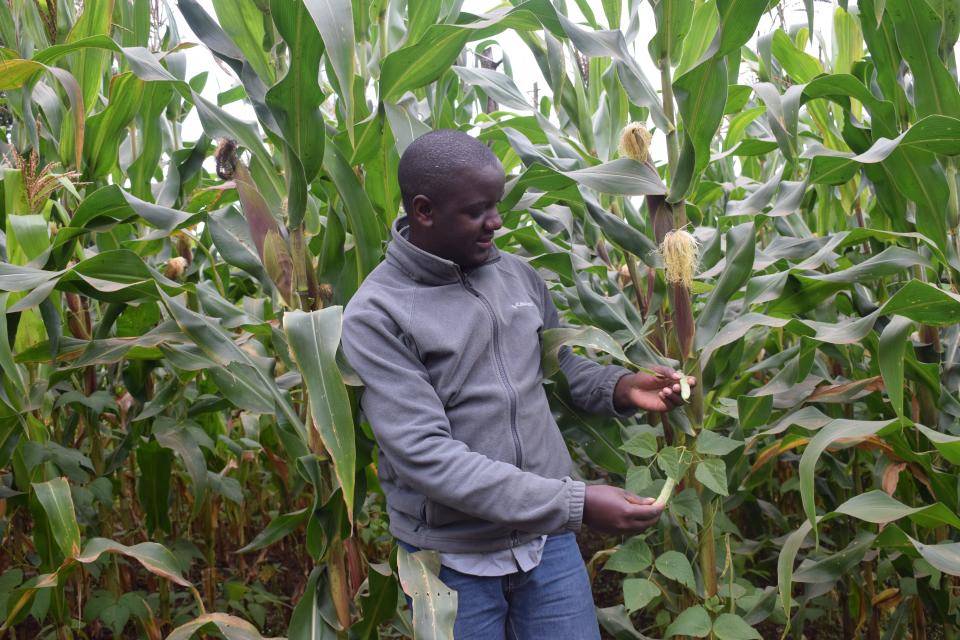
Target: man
x,y
445,336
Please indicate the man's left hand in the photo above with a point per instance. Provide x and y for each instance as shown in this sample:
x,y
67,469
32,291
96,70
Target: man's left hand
x,y
659,391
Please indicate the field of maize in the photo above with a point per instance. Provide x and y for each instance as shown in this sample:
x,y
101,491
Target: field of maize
x,y
774,211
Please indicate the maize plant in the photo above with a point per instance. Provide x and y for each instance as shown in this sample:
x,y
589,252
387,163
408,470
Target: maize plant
x,y
762,193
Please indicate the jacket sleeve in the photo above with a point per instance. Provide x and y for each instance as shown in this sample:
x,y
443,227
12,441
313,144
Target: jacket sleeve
x,y
412,429
591,384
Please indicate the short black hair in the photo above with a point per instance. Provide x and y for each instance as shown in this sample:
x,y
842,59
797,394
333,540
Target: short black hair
x,y
433,164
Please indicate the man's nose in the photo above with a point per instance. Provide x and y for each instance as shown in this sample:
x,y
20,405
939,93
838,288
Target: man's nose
x,y
494,221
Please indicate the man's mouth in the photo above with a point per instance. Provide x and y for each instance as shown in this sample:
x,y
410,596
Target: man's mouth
x,y
486,243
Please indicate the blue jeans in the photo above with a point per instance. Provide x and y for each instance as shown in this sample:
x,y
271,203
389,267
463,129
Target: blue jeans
x,y
553,601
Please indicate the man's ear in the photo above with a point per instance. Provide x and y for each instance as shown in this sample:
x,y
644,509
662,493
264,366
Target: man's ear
x,y
422,211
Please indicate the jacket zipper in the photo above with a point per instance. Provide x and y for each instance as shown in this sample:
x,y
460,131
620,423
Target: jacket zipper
x,y
501,370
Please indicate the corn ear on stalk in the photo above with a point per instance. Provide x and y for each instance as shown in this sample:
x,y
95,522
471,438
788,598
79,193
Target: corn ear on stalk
x,y
635,142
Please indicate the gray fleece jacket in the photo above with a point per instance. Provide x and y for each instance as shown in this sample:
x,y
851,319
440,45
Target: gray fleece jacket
x,y
471,458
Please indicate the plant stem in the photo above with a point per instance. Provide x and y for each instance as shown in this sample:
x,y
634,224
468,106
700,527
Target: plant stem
x,y
708,551
666,89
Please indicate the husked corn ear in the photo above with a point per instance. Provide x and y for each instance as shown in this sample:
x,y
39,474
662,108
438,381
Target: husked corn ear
x,y
635,142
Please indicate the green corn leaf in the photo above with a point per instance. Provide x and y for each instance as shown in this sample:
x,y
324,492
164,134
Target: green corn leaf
x,y
434,604
878,507
280,527
918,28
314,338
893,342
89,65
295,100
849,431
232,628
54,497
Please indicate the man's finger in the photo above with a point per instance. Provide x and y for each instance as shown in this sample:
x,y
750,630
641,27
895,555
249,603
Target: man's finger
x,y
645,511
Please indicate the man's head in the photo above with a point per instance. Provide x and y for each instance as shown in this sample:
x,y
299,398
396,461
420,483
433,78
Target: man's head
x,y
451,184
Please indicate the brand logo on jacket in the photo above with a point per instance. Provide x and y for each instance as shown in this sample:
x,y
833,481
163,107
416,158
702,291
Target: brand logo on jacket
x,y
518,305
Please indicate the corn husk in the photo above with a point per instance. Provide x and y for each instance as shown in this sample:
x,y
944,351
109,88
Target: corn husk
x,y
278,263
679,252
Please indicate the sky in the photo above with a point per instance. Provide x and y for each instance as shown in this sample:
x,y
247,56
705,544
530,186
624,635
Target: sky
x,y
526,72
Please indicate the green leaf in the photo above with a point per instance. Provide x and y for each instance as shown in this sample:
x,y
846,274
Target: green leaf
x,y
622,176
944,557
54,497
675,566
935,133
217,345
497,85
738,266
638,593
788,554
314,338
673,462
424,61
836,564
243,22
153,484
295,100
703,29
314,617
738,23
753,411
106,129
179,439
878,507
801,66
111,205
893,341
712,472
334,21
633,556
729,626
279,528
701,94
232,627
154,557
379,605
591,337
918,29
948,446
924,302
643,445
850,431
434,604
673,22
361,217
231,235
89,65
693,622
602,44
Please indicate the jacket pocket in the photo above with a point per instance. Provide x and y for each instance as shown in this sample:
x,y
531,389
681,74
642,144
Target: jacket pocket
x,y
438,515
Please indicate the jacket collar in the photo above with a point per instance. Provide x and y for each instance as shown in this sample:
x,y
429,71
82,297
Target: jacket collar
x,y
422,266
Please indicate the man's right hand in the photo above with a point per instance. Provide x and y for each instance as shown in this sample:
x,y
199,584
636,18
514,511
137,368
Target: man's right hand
x,y
612,510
